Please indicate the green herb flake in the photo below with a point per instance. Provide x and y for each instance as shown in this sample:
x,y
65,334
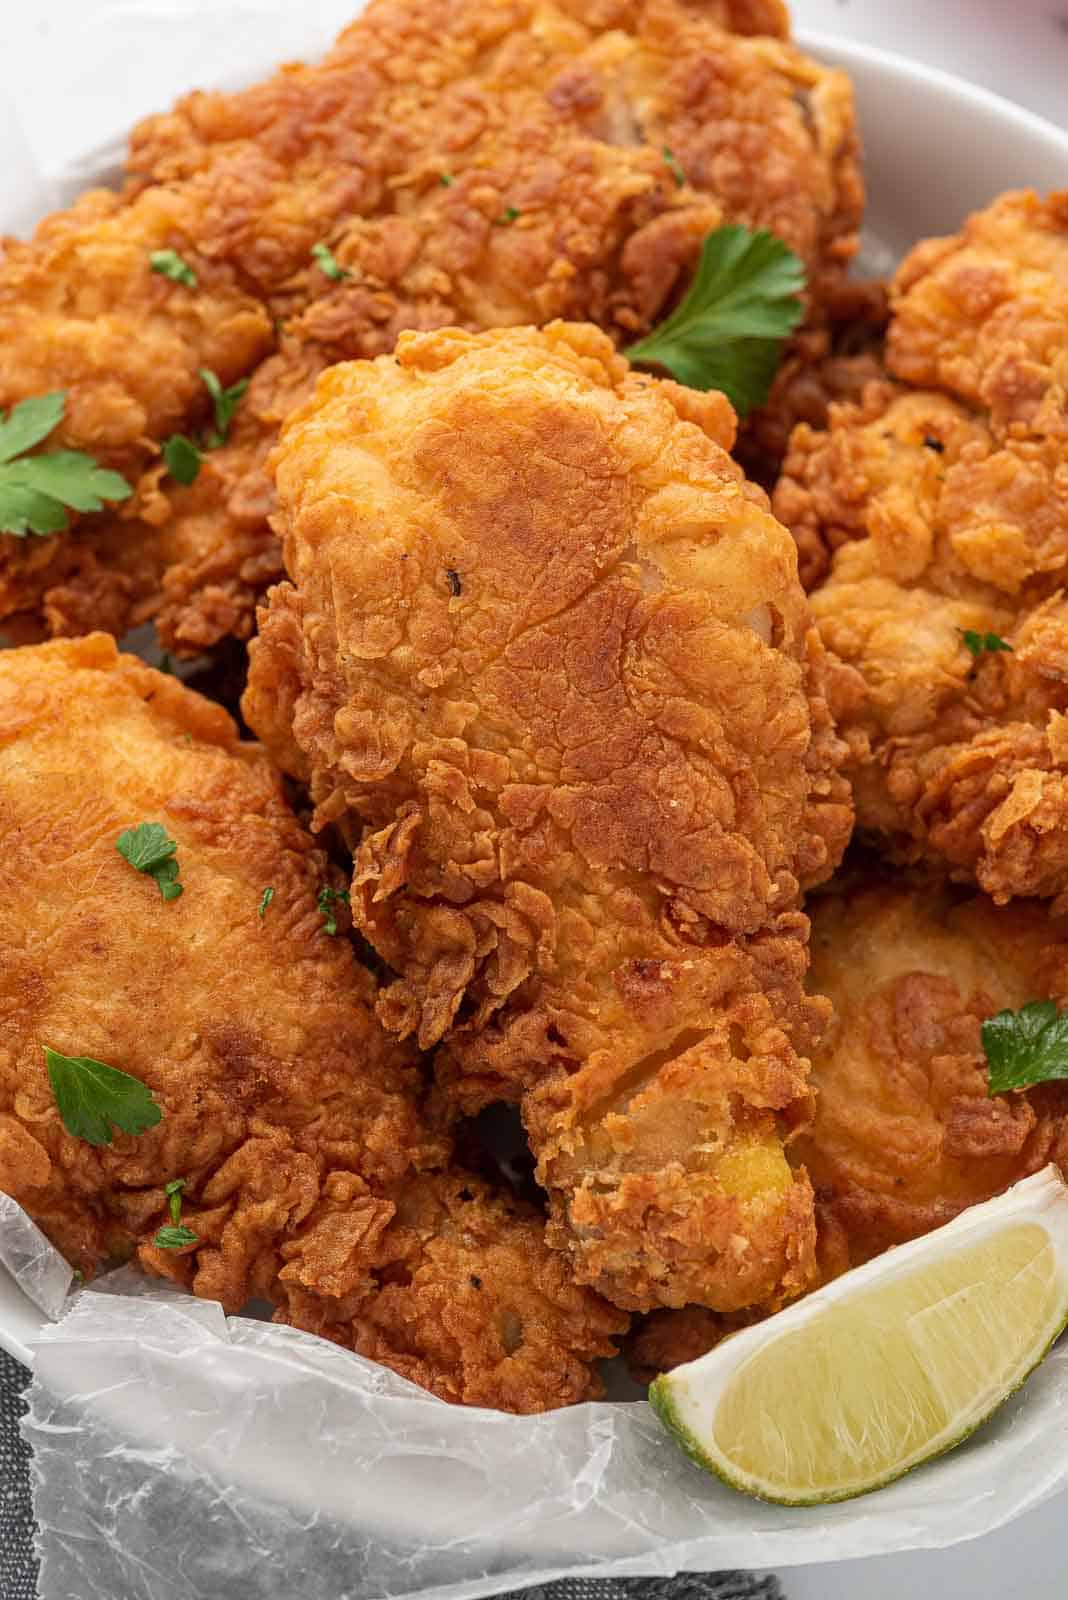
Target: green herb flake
x,y
265,900
225,402
329,264
507,216
977,643
728,330
36,492
174,1238
1026,1046
326,900
672,163
148,849
173,1192
93,1098
170,265
182,458
446,179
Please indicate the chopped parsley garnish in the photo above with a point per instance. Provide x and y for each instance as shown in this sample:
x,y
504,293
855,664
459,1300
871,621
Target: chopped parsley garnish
x,y
148,849
170,264
225,402
265,900
329,264
508,215
182,457
446,179
36,492
325,900
726,333
174,1238
1026,1046
672,163
976,643
93,1098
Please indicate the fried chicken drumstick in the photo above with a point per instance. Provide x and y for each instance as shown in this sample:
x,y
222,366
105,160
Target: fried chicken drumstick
x,y
544,659
467,163
948,508
314,1175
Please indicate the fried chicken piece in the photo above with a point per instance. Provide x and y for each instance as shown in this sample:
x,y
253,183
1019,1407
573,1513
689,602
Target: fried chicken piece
x,y
551,123
949,513
543,659
906,1134
315,1177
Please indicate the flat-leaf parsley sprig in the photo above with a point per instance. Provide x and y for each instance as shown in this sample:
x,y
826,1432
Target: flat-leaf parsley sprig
x,y
174,1236
727,332
148,849
93,1099
36,492
1026,1046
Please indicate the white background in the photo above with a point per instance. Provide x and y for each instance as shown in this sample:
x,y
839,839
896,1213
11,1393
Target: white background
x,y
1018,49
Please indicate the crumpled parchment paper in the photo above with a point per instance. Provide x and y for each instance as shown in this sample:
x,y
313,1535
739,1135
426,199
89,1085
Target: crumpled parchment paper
x,y
202,1457
181,1455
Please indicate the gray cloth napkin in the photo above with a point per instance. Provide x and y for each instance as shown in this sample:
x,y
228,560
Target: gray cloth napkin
x,y
18,1564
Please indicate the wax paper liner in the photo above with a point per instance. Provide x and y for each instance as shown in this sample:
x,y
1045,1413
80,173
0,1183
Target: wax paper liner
x,y
212,1458
181,1454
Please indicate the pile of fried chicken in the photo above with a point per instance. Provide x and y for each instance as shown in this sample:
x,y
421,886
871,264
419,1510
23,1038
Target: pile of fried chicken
x,y
557,761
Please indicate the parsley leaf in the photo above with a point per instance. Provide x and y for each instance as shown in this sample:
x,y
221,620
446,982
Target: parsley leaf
x,y
325,900
446,180
37,491
173,1192
1026,1046
182,457
148,849
225,402
174,1238
91,1096
976,643
170,265
328,263
727,331
267,897
508,215
674,166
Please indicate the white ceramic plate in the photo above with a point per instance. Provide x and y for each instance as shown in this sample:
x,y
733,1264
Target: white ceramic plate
x,y
936,148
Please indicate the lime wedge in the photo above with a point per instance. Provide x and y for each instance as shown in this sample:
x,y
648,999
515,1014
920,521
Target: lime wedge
x,y
887,1366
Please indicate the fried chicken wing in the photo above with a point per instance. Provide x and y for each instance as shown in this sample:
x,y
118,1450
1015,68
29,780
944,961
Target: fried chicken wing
x,y
543,658
948,509
315,1177
474,164
906,1134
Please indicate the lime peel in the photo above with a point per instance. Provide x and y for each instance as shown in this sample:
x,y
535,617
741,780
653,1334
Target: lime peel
x,y
888,1366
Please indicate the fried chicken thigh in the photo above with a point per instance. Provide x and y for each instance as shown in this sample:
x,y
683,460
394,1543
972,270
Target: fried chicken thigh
x,y
948,508
906,1134
545,660
314,1175
469,163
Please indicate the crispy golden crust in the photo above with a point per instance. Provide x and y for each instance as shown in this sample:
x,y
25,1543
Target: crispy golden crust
x,y
297,1124
538,627
559,113
949,513
906,1134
